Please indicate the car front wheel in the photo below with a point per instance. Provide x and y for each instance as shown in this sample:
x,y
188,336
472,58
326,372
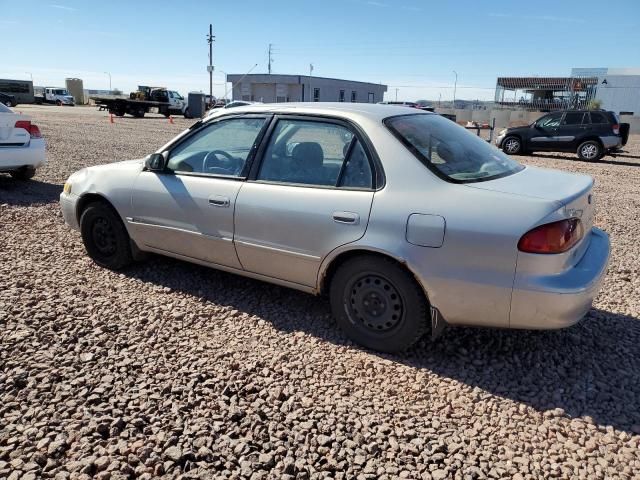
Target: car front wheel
x,y
590,151
512,146
105,237
378,304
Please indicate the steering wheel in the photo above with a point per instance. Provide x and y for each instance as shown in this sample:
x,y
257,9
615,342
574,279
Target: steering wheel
x,y
225,167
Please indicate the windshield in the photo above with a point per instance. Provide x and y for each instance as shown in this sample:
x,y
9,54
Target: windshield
x,y
60,91
449,150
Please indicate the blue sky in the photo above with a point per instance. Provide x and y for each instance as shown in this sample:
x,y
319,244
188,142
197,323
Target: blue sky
x,y
411,45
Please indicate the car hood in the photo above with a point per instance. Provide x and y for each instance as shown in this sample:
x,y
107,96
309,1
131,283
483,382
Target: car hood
x,y
541,183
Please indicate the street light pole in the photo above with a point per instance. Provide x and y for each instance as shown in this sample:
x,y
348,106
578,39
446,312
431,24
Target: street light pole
x,y
107,73
455,85
396,94
31,75
210,40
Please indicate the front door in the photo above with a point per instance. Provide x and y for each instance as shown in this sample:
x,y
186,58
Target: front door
x,y
311,194
545,131
572,127
188,209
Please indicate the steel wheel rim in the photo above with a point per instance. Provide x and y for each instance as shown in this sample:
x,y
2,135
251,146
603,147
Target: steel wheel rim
x,y
373,303
512,145
104,237
589,151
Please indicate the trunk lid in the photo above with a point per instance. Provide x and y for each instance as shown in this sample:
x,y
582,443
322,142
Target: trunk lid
x,y
569,190
11,136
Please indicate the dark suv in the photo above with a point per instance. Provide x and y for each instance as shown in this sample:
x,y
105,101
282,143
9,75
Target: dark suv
x,y
8,100
590,133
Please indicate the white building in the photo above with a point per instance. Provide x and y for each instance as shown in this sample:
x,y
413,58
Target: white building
x,y
618,88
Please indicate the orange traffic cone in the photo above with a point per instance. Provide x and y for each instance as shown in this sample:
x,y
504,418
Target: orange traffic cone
x,y
111,118
170,119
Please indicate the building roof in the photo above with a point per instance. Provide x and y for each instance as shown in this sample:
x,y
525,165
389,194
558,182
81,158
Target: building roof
x,y
546,83
288,78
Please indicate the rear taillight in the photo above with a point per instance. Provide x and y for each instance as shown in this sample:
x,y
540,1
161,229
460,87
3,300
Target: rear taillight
x,y
33,130
616,129
556,237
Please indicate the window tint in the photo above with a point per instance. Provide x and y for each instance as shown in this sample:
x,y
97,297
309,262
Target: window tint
x,y
313,153
221,148
597,117
356,172
573,118
552,120
450,150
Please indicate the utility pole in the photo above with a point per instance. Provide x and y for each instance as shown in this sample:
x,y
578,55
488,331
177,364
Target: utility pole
x,y
210,40
310,72
455,84
270,56
396,94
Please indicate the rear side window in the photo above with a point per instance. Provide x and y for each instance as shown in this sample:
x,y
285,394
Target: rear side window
x,y
573,118
315,153
597,117
449,150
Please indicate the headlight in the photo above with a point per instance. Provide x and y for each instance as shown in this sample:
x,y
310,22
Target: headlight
x,y
67,188
503,132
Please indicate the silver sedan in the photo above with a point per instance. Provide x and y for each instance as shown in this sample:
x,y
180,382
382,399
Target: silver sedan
x,y
405,220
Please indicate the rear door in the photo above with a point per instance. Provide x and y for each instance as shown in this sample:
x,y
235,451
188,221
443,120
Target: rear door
x,y
546,130
572,129
311,193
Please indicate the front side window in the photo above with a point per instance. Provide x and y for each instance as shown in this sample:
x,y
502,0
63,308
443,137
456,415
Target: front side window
x,y
449,150
315,153
221,148
550,121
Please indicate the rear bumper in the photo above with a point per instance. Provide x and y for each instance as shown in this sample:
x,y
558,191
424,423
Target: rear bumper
x,y
611,141
558,301
34,155
68,205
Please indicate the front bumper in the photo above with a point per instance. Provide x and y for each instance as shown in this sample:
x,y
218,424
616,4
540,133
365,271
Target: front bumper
x,y
68,204
558,301
499,140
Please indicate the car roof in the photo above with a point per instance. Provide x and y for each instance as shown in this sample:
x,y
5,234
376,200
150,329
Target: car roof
x,y
351,111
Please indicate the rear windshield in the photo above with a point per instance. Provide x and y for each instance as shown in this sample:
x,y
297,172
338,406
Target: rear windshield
x,y
449,150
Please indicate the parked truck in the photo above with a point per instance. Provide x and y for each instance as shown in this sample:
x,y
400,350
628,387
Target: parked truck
x,y
56,95
142,101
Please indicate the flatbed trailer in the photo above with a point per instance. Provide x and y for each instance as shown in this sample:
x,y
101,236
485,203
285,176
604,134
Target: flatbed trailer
x,y
137,108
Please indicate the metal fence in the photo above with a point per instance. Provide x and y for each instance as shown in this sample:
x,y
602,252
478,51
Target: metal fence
x,y
545,93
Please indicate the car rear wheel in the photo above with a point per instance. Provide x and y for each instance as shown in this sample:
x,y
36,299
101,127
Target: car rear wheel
x,y
105,237
378,304
512,146
8,103
24,173
590,151
58,103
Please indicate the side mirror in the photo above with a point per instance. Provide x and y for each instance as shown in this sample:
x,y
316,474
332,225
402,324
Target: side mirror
x,y
156,162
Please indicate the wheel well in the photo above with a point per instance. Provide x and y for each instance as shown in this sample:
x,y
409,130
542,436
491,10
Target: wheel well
x,y
591,137
325,281
87,199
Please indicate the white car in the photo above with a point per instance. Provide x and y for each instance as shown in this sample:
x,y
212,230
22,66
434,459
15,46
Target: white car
x,y
22,148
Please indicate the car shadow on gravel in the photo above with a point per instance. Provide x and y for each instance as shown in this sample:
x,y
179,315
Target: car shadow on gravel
x,y
606,160
590,369
24,193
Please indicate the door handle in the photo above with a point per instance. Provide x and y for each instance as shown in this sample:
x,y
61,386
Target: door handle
x,y
219,201
346,217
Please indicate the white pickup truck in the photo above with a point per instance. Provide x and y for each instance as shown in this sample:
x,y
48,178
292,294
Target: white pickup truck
x,y
22,148
56,95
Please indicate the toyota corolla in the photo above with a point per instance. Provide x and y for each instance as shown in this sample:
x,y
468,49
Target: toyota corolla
x,y
405,220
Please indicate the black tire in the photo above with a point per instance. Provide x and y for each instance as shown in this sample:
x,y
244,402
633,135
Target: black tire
x,y
8,103
590,151
139,113
378,304
512,145
25,173
59,103
105,237
187,114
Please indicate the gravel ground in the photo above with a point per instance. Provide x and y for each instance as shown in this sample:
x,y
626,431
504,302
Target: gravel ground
x,y
170,369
